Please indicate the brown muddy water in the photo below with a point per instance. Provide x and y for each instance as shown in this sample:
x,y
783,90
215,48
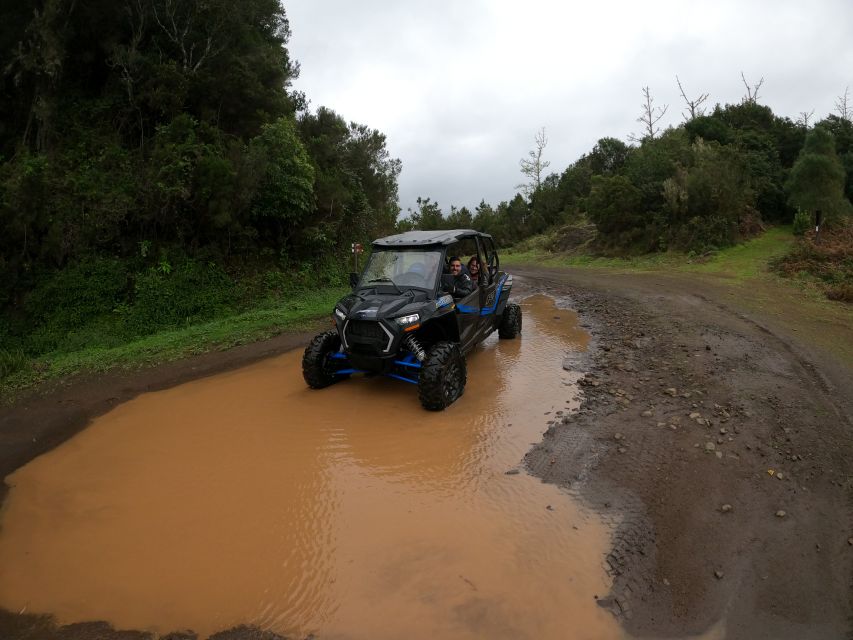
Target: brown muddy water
x,y
349,512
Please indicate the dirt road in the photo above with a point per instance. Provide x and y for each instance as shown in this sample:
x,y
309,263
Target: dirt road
x,y
721,444
715,437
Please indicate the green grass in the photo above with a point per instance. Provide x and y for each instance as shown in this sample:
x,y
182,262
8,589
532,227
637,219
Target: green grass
x,y
740,263
219,334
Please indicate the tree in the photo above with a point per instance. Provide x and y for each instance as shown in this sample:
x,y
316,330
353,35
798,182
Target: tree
x,y
460,218
534,166
649,118
804,118
843,107
608,156
285,197
428,216
615,205
751,96
694,107
816,182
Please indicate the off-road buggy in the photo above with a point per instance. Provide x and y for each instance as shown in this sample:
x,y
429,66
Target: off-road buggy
x,y
402,321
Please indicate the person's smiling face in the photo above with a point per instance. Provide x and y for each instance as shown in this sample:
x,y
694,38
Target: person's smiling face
x,y
456,267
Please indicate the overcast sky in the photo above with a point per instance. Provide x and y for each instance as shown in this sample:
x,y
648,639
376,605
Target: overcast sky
x,y
461,87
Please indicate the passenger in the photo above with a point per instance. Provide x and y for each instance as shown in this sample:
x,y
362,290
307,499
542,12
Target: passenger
x,y
462,284
474,270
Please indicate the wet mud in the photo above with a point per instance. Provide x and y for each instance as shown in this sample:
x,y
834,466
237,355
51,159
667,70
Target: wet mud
x,y
248,499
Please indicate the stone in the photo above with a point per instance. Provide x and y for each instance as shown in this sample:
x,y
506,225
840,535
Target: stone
x,y
710,446
780,514
671,392
647,413
618,436
512,472
726,508
719,574
695,415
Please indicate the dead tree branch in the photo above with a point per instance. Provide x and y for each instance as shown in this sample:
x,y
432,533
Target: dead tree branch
x,y
179,29
842,106
535,166
693,106
751,96
650,117
804,118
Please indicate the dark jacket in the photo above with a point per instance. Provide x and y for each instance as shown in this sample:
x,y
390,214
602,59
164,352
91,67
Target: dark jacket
x,y
462,285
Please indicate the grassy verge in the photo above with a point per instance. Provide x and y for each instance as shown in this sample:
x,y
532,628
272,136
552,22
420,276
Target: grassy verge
x,y
219,334
739,263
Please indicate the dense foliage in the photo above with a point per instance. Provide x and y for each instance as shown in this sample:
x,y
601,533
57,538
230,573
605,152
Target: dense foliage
x,y
155,166
708,183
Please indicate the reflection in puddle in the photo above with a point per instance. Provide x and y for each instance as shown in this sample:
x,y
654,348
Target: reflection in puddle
x,y
350,512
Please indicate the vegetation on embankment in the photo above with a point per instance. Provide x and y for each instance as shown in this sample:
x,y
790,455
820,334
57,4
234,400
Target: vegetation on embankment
x,y
163,189
827,260
738,263
819,268
105,343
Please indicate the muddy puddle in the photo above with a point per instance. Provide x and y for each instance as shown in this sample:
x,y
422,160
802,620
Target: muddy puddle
x,y
349,512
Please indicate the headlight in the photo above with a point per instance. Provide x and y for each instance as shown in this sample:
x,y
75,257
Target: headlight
x,y
341,315
404,320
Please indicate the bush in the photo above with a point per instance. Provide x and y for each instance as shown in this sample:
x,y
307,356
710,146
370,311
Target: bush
x,y
12,361
841,293
802,222
67,300
168,296
830,261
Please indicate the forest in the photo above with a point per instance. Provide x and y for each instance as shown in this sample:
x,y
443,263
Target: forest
x,y
710,182
158,169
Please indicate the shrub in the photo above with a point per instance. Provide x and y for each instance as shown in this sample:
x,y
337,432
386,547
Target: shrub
x,y
802,222
169,296
66,301
12,361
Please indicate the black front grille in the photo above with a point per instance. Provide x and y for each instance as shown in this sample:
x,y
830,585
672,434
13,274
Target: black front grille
x,y
367,329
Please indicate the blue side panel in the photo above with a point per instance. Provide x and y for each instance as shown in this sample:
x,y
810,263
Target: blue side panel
x,y
506,281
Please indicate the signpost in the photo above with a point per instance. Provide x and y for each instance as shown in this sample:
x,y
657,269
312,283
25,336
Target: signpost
x,y
356,250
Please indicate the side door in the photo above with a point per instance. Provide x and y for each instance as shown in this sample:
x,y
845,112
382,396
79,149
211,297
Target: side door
x,y
467,308
488,287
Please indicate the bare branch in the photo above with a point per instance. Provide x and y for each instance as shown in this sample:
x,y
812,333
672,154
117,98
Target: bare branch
x,y
535,166
751,96
178,29
649,119
804,118
693,106
842,106
126,58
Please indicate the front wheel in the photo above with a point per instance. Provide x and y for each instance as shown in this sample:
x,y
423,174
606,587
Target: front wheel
x,y
318,367
443,376
510,325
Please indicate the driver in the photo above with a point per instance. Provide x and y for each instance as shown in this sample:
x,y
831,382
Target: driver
x,y
462,283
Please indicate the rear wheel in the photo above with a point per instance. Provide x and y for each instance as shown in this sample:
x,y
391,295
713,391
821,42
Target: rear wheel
x,y
318,367
443,376
510,325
